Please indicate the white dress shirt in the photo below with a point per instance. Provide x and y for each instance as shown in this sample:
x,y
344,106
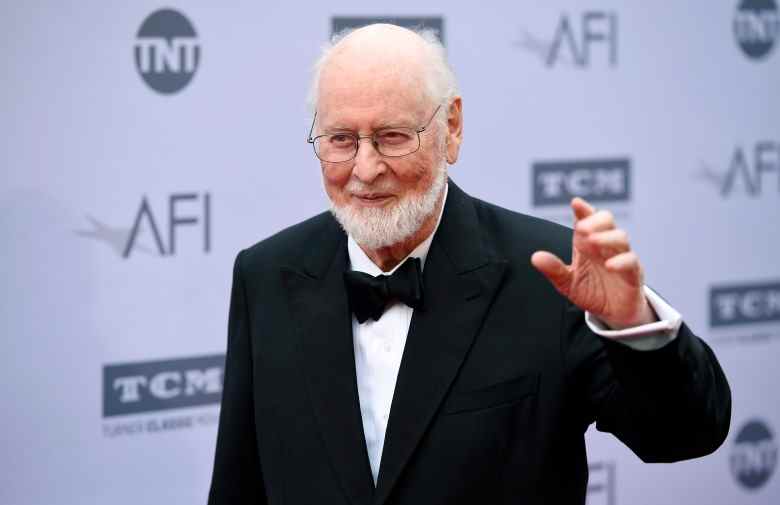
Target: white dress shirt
x,y
379,345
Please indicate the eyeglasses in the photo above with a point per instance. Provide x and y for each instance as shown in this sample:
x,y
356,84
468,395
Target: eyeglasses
x,y
392,142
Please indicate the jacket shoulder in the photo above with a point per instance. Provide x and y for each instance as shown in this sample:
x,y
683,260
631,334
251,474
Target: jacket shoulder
x,y
290,245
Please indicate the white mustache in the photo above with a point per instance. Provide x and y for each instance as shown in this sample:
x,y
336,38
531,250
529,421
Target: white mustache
x,y
357,187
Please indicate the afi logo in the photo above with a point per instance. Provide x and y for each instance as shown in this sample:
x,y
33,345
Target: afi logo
x,y
744,303
145,216
601,483
754,457
167,52
600,180
756,26
748,170
196,212
577,39
159,385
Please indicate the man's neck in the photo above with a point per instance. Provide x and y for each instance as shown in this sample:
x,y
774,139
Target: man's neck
x,y
387,258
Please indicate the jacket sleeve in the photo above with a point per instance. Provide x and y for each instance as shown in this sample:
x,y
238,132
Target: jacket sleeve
x,y
237,477
667,404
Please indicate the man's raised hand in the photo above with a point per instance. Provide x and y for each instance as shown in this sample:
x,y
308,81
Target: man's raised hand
x,y
605,277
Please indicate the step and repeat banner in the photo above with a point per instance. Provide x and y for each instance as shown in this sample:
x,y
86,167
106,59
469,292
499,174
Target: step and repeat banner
x,y
143,144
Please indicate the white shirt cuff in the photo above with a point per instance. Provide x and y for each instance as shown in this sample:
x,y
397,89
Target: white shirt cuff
x,y
645,337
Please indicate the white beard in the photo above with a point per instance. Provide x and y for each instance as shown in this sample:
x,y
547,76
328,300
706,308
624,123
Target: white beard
x,y
376,227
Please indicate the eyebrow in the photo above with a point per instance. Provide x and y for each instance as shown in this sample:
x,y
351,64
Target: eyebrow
x,y
404,120
384,124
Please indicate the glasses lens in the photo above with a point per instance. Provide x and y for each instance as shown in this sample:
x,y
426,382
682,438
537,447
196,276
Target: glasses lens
x,y
397,141
335,148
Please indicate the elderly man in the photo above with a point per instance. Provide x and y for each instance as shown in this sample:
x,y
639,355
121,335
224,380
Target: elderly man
x,y
404,348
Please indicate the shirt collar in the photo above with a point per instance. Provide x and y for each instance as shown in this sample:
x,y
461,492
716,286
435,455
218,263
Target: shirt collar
x,y
360,262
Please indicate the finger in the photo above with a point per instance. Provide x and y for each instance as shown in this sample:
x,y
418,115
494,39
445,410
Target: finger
x,y
600,221
581,208
610,242
627,264
556,271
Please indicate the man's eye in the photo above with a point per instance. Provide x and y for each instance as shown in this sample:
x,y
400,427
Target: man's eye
x,y
341,140
393,137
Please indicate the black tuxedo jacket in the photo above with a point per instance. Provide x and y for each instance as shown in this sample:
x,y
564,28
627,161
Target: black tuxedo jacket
x,y
499,380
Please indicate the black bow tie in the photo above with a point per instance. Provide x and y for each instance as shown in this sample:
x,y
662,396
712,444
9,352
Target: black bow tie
x,y
369,295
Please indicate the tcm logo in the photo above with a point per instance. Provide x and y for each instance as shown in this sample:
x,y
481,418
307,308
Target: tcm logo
x,y
601,483
752,171
132,388
744,303
436,23
754,456
756,26
598,180
578,40
167,52
182,209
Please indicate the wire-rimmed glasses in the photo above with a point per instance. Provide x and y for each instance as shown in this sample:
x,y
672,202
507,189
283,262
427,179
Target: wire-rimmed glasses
x,y
392,142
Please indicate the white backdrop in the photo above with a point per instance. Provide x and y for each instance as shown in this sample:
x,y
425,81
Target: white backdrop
x,y
112,338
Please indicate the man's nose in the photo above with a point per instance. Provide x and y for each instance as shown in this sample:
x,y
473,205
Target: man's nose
x,y
369,164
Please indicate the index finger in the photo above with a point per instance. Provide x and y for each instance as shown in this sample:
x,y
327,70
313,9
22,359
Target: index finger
x,y
581,208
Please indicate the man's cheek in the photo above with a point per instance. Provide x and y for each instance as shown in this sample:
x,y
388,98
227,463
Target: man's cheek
x,y
332,190
335,181
424,172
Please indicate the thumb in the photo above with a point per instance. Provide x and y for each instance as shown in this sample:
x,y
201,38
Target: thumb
x,y
554,269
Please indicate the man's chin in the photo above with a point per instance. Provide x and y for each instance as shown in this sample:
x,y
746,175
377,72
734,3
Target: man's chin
x,y
373,227
372,210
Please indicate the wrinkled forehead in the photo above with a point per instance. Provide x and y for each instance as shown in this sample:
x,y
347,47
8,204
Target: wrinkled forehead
x,y
372,86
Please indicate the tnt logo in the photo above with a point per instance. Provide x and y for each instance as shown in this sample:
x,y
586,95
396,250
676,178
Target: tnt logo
x,y
132,388
744,303
167,51
754,456
577,39
601,180
756,26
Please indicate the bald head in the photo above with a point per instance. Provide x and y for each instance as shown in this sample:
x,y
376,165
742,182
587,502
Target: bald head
x,y
385,56
378,56
384,41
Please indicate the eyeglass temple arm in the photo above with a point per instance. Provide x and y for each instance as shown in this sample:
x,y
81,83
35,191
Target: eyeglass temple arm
x,y
422,129
311,130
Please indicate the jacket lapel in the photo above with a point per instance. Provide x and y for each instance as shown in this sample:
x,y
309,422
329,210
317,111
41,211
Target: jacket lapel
x,y
461,277
319,306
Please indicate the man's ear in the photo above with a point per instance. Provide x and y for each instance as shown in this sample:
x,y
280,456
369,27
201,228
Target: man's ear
x,y
454,129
